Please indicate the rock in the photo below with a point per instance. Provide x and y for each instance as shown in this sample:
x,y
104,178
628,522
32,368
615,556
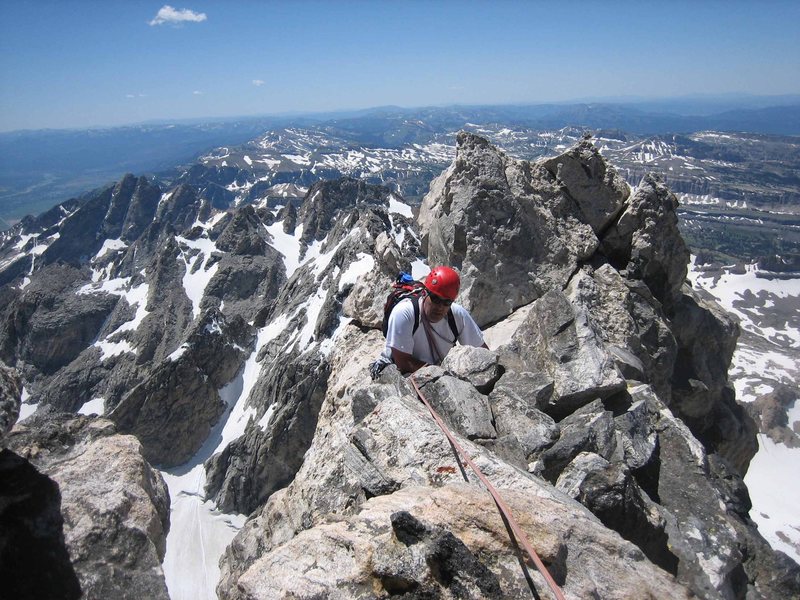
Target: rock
x,y
79,234
589,429
115,506
180,208
460,405
245,235
612,308
646,240
10,400
171,413
637,435
266,458
595,186
448,542
34,562
242,285
558,339
699,533
478,366
217,345
141,209
404,449
702,396
613,495
326,200
50,324
514,401
770,411
118,207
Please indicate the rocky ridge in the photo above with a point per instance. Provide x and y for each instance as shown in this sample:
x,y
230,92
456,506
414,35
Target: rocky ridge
x,y
586,405
602,412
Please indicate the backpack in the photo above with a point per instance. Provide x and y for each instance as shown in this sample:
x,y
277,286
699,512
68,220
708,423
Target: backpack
x,y
405,287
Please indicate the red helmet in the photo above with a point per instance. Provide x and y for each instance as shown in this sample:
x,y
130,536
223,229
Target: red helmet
x,y
444,282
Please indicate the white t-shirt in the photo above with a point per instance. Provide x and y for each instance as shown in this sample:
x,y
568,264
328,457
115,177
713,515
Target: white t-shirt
x,y
401,324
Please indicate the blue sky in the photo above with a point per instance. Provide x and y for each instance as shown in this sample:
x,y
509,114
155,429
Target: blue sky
x,y
73,63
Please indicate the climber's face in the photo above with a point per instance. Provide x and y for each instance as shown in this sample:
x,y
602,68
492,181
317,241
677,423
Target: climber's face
x,y
435,307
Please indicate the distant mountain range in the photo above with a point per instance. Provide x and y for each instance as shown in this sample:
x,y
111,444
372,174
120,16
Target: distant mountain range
x,y
38,169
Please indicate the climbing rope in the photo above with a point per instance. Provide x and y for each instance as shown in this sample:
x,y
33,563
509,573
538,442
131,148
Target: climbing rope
x,y
498,499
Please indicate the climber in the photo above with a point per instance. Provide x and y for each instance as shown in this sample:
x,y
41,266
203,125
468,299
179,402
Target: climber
x,y
411,344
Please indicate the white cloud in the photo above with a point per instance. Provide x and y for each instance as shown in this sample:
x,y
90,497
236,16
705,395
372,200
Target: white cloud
x,y
258,82
176,16
197,93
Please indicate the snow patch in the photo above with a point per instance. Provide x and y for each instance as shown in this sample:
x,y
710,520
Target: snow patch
x,y
96,406
109,349
357,269
401,208
419,269
197,276
110,246
26,409
179,352
287,244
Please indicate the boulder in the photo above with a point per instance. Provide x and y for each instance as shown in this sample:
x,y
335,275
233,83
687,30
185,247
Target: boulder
x,y
115,506
516,401
459,404
613,495
34,561
478,366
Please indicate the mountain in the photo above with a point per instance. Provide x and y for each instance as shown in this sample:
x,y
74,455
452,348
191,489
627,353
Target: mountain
x,y
222,331
41,168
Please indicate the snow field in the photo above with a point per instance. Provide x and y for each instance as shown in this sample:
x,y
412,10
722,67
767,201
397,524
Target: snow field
x,y
774,484
773,478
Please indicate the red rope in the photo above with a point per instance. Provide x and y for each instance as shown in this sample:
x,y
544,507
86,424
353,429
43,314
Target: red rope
x,y
501,504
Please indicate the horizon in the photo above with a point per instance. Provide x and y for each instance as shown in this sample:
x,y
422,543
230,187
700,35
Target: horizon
x,y
737,99
89,65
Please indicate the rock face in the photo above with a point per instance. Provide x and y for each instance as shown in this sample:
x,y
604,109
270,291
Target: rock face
x,y
515,229
115,507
